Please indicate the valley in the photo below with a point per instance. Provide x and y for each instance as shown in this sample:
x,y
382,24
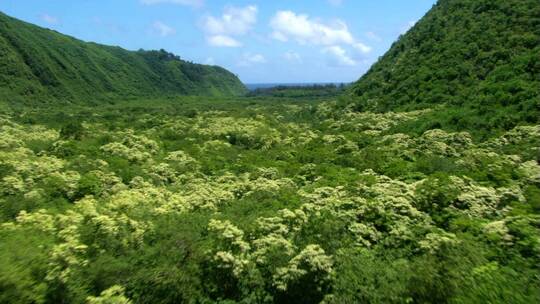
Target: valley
x,y
166,181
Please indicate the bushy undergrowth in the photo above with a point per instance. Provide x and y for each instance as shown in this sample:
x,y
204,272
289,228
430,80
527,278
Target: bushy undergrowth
x,y
249,201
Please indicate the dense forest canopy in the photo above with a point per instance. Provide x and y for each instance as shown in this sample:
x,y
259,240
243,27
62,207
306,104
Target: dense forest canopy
x,y
302,91
478,55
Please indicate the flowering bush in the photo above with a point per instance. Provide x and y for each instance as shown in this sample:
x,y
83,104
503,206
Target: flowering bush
x,y
135,148
264,203
112,295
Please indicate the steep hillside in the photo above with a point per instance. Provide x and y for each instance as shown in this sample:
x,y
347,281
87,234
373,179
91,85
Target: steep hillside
x,y
37,63
479,55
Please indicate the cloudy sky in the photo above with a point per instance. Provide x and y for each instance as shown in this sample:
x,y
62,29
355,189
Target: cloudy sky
x,y
262,41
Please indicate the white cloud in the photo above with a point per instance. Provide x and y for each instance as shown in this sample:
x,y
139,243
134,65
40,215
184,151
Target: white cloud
x,y
279,36
362,47
49,19
163,29
251,59
289,25
335,2
292,56
373,36
210,61
339,56
193,3
223,41
233,22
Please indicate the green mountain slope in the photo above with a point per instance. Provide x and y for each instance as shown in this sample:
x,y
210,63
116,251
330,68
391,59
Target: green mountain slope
x,y
479,55
40,63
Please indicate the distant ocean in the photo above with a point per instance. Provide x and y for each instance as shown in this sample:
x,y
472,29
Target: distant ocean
x,y
254,86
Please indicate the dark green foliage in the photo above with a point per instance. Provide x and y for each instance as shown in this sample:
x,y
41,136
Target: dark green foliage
x,y
22,267
313,91
363,277
73,130
37,64
480,56
532,193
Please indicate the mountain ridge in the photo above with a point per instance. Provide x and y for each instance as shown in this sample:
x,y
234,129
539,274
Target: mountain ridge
x,y
39,63
464,53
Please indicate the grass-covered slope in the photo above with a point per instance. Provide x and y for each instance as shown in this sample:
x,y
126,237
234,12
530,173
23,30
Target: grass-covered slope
x,y
40,63
479,55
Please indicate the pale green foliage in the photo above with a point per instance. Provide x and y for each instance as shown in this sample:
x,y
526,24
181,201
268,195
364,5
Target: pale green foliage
x,y
434,241
39,219
215,145
498,232
530,171
246,131
230,235
268,225
434,142
136,148
67,181
234,253
373,123
69,254
13,135
475,159
112,295
442,143
516,136
481,201
299,134
365,234
28,169
182,158
311,260
109,182
162,173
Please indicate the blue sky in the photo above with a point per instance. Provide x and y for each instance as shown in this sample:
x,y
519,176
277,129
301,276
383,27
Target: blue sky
x,y
262,41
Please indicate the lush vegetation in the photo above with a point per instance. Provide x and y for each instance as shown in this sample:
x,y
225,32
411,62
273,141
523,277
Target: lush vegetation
x,y
276,201
300,91
478,56
38,65
283,199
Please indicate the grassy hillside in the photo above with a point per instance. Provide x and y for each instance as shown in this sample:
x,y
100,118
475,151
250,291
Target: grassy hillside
x,y
481,56
40,63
